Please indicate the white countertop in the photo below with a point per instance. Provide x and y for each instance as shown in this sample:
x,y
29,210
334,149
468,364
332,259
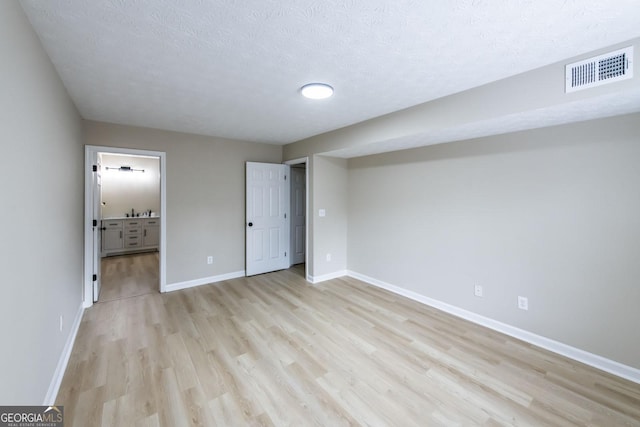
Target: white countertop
x,y
129,217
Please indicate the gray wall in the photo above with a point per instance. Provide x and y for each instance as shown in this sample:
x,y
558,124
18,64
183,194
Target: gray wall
x,y
329,232
205,194
42,212
551,214
446,119
496,211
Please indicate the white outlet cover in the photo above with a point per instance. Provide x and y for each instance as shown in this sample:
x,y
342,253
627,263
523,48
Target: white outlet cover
x,y
322,212
523,303
209,260
328,257
478,290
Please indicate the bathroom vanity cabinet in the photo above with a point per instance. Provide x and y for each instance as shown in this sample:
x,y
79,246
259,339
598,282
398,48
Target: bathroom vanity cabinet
x,y
128,235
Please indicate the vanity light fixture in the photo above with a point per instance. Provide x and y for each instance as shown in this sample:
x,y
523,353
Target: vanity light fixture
x,y
316,91
125,169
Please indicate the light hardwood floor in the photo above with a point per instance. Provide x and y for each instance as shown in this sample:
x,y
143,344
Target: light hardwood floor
x,y
272,350
126,276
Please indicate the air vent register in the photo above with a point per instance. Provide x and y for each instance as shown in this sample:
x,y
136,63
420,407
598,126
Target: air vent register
x,y
599,70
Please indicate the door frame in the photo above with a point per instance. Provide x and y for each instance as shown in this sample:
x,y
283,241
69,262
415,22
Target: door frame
x,y
96,199
298,161
87,294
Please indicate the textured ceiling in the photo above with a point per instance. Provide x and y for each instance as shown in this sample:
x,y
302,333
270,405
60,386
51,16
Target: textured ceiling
x,y
233,68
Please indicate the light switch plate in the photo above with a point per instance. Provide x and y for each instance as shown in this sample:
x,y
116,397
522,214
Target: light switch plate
x,y
523,303
321,212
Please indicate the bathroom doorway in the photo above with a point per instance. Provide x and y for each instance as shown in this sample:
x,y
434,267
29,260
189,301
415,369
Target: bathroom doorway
x,y
125,234
130,224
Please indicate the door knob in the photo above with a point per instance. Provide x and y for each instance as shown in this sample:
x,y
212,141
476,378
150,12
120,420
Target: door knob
x,y
250,224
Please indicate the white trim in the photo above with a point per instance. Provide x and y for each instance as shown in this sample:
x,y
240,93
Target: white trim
x,y
204,281
329,276
594,360
87,296
296,161
54,386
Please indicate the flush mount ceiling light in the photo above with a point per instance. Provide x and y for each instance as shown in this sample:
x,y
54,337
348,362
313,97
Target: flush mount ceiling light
x,y
316,91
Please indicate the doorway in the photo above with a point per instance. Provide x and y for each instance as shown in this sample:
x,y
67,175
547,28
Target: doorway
x,y
298,214
129,209
276,235
299,208
125,235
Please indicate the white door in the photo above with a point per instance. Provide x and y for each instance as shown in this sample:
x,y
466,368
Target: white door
x,y
267,225
97,226
298,214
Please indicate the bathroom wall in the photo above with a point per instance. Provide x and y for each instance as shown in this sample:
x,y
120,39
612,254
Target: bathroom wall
x,y
123,191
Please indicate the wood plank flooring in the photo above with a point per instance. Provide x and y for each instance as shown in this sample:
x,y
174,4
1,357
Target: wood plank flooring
x,y
272,350
126,276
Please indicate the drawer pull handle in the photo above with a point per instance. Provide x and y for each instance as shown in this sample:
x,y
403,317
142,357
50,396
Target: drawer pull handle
x,y
145,232
121,234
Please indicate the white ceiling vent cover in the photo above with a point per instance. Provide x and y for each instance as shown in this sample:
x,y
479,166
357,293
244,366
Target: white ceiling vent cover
x,y
599,70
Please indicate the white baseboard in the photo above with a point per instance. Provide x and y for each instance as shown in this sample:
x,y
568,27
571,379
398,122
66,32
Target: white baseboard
x,y
54,386
204,281
325,277
599,362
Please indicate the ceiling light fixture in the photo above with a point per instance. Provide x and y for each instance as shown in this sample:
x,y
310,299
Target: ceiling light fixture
x,y
316,91
125,169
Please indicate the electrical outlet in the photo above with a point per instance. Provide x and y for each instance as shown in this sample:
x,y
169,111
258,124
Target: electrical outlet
x,y
322,212
61,322
523,303
209,260
477,290
328,257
